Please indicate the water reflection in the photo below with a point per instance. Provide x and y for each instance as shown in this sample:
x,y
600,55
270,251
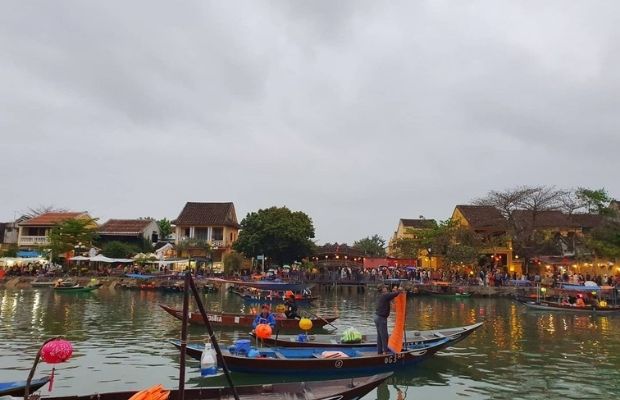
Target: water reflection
x,y
120,342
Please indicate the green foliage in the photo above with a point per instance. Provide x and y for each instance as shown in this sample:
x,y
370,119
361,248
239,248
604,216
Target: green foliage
x,y
371,246
67,234
11,251
193,244
595,200
605,240
117,249
165,227
406,247
233,262
278,233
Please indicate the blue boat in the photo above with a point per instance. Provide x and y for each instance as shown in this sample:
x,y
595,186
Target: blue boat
x,y
17,388
329,360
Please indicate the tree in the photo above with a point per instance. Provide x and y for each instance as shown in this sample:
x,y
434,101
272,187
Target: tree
x,y
604,240
594,200
406,247
165,227
233,262
116,249
371,246
278,233
66,235
32,212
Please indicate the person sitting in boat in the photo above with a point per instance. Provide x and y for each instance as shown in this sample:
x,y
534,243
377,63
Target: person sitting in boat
x,y
565,301
580,302
291,307
265,317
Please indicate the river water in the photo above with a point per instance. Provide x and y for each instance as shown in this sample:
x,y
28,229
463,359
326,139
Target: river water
x,y
119,340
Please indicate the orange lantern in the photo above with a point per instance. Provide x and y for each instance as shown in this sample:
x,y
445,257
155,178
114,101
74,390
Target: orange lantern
x,y
263,331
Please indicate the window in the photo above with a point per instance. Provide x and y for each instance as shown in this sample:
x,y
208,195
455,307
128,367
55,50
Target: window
x,y
201,233
218,233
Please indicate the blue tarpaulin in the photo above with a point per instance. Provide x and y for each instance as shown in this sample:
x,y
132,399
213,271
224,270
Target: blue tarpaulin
x,y
28,254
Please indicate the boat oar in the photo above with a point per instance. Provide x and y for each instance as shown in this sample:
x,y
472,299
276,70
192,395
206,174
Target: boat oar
x,y
216,346
321,318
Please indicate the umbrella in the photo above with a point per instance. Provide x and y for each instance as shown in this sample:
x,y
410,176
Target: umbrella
x,y
80,258
101,258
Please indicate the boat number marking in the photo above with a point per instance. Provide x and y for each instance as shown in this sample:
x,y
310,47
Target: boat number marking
x,y
214,318
236,320
393,358
338,363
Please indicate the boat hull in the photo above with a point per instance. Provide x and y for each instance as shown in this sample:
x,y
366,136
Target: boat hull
x,y
308,363
243,320
17,388
342,389
77,289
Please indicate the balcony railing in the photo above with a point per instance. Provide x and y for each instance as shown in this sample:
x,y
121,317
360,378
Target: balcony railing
x,y
213,243
33,241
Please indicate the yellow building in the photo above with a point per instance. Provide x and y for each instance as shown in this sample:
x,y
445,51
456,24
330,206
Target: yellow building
x,y
489,223
410,228
212,223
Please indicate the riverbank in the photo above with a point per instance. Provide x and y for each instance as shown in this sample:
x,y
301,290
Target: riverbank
x,y
25,282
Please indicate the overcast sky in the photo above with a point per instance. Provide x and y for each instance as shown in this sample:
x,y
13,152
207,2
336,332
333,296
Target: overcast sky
x,y
356,112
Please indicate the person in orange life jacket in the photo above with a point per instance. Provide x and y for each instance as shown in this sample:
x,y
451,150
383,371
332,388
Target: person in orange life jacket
x,y
381,315
265,317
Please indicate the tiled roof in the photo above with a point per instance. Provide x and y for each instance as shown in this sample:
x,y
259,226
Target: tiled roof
x,y
419,223
124,226
587,220
52,218
483,217
542,219
336,248
208,214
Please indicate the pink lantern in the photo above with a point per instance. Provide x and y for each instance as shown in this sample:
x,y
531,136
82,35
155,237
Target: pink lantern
x,y
56,351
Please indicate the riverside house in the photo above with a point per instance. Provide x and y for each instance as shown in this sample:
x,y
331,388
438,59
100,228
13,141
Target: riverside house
x,y
132,231
33,233
411,228
214,224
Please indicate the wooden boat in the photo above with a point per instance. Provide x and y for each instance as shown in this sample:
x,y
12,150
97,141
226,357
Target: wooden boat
x,y
412,338
292,360
336,389
455,295
42,282
243,320
17,388
554,306
64,287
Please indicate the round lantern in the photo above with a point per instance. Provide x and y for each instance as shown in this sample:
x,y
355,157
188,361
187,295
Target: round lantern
x,y
602,303
305,324
288,294
280,308
56,351
263,331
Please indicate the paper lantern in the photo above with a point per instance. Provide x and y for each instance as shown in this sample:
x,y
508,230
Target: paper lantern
x,y
263,331
56,351
288,294
280,308
305,324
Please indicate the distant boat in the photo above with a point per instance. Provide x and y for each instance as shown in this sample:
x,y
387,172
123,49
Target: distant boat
x,y
42,282
555,306
17,388
72,287
268,285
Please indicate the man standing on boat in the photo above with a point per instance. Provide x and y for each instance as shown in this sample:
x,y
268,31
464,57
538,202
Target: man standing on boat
x,y
381,316
291,307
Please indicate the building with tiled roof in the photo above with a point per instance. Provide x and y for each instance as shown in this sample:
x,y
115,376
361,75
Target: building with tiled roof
x,y
543,220
129,230
410,228
33,232
213,223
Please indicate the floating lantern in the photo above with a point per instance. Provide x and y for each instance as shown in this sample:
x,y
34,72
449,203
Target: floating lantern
x,y
305,324
263,331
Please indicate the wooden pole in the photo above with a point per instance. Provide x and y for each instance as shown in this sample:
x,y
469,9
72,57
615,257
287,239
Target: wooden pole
x,y
184,337
216,346
34,367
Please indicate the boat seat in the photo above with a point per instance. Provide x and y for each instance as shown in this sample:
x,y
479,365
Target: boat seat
x,y
279,355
